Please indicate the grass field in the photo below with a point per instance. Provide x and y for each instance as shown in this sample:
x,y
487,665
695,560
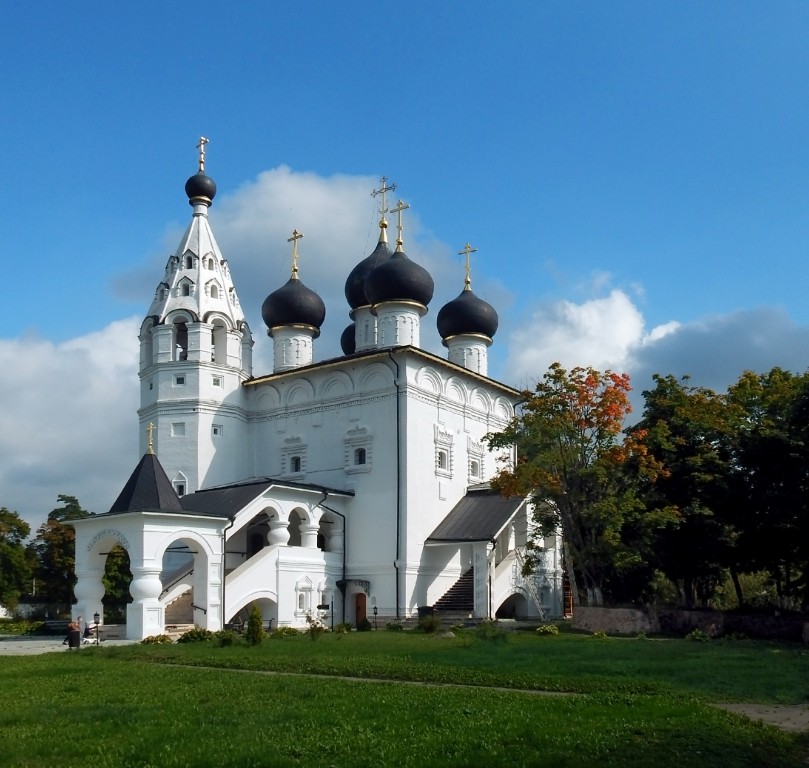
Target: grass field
x,y
627,703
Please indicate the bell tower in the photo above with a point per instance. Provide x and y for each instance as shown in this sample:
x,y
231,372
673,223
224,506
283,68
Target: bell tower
x,y
195,352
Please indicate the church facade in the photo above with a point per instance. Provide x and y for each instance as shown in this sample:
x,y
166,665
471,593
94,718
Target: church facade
x,y
349,488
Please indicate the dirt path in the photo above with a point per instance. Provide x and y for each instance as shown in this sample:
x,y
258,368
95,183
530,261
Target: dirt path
x,y
790,718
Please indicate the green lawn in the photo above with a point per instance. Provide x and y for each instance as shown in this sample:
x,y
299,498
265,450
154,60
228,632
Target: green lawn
x,y
637,703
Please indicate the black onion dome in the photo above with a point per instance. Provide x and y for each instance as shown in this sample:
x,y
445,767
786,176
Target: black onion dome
x,y
467,314
355,282
348,340
293,304
399,279
200,185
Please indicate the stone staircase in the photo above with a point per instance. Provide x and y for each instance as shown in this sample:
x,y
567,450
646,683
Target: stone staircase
x,y
457,603
180,611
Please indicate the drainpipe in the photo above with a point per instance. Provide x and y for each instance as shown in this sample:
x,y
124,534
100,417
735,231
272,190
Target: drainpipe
x,y
345,545
224,563
398,483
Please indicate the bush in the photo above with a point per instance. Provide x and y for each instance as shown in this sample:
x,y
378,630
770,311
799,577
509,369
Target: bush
x,y
157,640
429,623
548,629
316,625
21,627
225,637
394,626
255,628
343,628
364,626
281,632
600,634
490,631
698,636
196,635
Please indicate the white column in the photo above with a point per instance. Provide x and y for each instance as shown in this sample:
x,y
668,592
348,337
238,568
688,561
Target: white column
x,y
89,591
309,535
144,615
278,533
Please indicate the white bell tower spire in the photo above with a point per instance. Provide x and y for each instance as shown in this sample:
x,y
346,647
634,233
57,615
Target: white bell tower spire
x,y
195,352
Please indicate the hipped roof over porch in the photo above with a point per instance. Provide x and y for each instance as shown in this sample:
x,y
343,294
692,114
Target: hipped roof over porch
x,y
478,516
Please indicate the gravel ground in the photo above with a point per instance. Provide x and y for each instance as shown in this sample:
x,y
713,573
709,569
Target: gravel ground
x,y
13,645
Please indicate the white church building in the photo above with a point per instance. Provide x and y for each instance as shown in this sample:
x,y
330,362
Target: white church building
x,y
354,486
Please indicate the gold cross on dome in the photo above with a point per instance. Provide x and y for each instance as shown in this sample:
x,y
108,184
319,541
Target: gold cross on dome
x,y
383,188
201,147
400,206
467,249
294,240
150,432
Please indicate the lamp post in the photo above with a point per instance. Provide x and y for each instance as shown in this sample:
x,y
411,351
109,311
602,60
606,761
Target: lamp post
x,y
376,610
96,619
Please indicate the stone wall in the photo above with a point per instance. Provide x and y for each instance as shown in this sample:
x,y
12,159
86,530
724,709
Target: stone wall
x,y
632,621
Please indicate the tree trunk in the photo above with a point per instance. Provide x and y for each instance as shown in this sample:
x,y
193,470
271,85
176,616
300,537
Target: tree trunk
x,y
734,576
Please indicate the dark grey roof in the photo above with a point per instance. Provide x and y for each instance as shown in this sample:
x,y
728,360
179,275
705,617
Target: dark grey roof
x,y
227,500
148,487
478,516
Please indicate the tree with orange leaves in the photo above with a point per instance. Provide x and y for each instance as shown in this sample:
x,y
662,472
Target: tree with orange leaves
x,y
585,478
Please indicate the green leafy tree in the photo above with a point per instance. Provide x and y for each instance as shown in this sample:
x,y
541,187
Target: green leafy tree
x,y
691,431
585,478
15,565
772,471
54,552
117,578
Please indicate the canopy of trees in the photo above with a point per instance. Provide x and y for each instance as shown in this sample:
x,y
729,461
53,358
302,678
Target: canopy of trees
x,y
706,490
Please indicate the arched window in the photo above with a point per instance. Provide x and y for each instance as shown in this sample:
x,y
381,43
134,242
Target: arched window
x,y
185,290
180,341
359,455
189,262
442,460
295,464
474,469
214,292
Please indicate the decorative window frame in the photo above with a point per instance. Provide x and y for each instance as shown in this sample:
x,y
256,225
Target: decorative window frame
x,y
355,438
303,594
476,453
444,440
293,446
180,484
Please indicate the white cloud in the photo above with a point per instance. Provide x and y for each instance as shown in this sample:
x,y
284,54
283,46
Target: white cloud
x,y
609,332
69,419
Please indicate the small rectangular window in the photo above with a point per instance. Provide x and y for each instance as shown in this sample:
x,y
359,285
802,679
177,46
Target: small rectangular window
x,y
178,429
216,430
217,381
181,489
179,381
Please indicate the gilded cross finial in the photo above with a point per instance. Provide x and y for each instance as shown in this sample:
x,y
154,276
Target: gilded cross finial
x,y
400,206
467,249
384,187
294,240
201,147
150,432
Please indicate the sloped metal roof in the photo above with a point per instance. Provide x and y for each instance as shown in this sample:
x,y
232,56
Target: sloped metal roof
x,y
478,516
148,487
227,500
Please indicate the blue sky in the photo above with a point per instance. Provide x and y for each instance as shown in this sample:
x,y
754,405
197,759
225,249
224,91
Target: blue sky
x,y
633,175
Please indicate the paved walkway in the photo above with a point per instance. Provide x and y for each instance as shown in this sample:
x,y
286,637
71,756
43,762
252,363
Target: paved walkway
x,y
15,645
